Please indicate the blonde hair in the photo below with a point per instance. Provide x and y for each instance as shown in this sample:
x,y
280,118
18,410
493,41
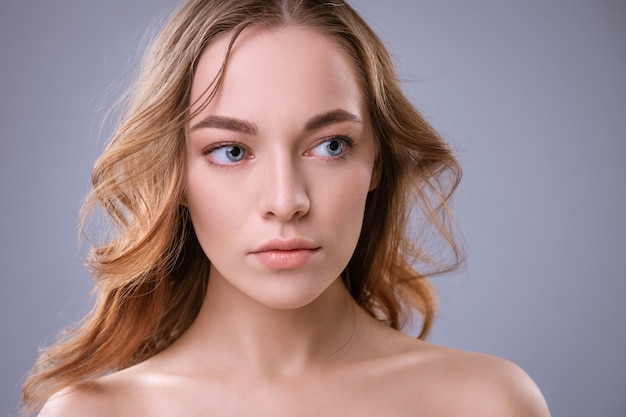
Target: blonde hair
x,y
151,275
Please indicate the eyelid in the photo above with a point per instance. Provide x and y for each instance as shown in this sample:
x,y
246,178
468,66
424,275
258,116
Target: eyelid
x,y
206,151
217,145
346,139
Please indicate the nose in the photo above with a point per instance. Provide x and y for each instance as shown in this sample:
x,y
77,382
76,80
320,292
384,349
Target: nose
x,y
283,190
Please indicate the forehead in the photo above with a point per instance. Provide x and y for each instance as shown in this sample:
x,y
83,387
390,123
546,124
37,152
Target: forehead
x,y
287,68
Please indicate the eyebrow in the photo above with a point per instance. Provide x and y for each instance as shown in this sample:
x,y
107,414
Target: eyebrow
x,y
243,126
226,123
333,116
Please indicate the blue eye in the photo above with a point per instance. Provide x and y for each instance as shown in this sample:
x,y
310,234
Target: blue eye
x,y
228,154
331,148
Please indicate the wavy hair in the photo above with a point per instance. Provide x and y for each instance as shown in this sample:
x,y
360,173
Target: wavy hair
x,y
151,274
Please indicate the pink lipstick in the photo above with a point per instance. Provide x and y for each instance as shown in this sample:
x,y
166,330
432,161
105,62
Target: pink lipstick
x,y
285,254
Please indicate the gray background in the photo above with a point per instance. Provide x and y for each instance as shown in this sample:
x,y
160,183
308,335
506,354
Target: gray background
x,y
532,94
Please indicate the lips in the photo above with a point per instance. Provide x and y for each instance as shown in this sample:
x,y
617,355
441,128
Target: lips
x,y
285,253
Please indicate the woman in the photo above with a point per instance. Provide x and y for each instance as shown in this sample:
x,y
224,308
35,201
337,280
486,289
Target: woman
x,y
260,183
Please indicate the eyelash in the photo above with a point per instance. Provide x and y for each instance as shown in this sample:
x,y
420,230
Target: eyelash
x,y
344,138
214,147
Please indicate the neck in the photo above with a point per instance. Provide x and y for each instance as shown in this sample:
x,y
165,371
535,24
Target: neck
x,y
267,341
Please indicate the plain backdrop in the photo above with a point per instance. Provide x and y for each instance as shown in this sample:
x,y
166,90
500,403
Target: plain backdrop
x,y
532,94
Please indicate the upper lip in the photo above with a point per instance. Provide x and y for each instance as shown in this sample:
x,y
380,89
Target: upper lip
x,y
286,244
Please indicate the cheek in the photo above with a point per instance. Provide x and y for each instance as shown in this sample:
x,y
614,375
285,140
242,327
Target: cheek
x,y
213,211
342,199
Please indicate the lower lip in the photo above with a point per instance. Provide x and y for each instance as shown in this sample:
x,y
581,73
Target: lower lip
x,y
285,259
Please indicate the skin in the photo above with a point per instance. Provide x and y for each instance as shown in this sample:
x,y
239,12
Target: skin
x,y
278,334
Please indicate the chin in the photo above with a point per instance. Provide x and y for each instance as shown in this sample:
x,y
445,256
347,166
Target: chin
x,y
288,298
288,292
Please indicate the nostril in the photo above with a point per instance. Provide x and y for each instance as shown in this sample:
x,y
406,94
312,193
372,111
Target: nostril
x,y
283,189
287,205
286,210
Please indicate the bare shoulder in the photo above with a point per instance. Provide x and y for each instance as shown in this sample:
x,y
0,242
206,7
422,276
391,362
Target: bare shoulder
x,y
493,386
87,401
472,384
102,397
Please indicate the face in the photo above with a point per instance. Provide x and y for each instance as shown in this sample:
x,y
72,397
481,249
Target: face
x,y
279,164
